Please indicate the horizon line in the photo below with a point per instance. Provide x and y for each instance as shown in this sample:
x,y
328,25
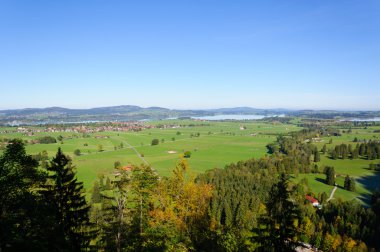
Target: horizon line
x,y
213,108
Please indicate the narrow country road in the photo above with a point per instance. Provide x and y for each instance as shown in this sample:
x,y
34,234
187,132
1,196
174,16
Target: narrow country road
x,y
332,193
141,157
138,154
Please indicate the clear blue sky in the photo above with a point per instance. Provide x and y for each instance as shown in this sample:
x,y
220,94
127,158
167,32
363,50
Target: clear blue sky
x,y
190,54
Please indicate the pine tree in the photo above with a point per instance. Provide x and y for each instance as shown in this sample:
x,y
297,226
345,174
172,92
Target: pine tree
x,y
21,227
278,223
324,197
66,196
108,184
330,175
101,182
334,154
324,149
95,197
347,182
317,157
352,187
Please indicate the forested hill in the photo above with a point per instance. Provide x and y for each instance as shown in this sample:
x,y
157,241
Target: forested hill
x,y
134,113
115,113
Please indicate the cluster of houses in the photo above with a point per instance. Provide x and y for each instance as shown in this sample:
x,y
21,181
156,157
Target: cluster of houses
x,y
84,129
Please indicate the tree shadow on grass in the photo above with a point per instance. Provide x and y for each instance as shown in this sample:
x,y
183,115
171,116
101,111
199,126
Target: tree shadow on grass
x,y
371,183
321,180
324,182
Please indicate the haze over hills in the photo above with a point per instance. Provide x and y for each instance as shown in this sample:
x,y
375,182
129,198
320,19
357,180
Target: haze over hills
x,y
135,113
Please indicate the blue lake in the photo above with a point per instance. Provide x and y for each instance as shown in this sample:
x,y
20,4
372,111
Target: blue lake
x,y
234,117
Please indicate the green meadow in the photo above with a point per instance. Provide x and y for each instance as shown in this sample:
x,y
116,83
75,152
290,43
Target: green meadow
x,y
212,145
366,180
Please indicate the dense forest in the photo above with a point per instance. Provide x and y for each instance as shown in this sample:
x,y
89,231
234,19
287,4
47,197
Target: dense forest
x,y
250,205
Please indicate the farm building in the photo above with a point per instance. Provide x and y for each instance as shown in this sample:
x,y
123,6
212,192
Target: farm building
x,y
312,201
127,168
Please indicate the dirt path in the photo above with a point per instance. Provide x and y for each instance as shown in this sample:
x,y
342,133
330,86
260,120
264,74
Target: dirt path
x,y
332,193
137,153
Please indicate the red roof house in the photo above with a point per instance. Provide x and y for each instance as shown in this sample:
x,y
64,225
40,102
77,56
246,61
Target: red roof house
x,y
312,200
127,168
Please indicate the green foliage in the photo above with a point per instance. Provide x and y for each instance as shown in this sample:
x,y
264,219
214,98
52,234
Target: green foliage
x,y
123,214
95,196
277,225
143,183
47,140
21,226
187,154
374,167
317,157
100,148
155,142
349,184
108,185
324,197
42,158
77,152
117,165
66,196
273,148
324,149
349,219
330,175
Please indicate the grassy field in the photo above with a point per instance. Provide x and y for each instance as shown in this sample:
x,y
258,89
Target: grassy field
x,y
366,180
218,144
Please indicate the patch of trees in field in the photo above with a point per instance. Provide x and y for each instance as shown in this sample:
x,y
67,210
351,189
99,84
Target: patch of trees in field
x,y
47,140
369,150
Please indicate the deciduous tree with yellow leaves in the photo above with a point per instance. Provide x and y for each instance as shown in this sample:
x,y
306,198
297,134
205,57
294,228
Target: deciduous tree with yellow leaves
x,y
179,210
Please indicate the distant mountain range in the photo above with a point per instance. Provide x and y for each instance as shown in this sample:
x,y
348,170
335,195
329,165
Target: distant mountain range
x,y
135,113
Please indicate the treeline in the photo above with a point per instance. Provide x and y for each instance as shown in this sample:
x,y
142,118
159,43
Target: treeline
x,y
369,150
345,126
